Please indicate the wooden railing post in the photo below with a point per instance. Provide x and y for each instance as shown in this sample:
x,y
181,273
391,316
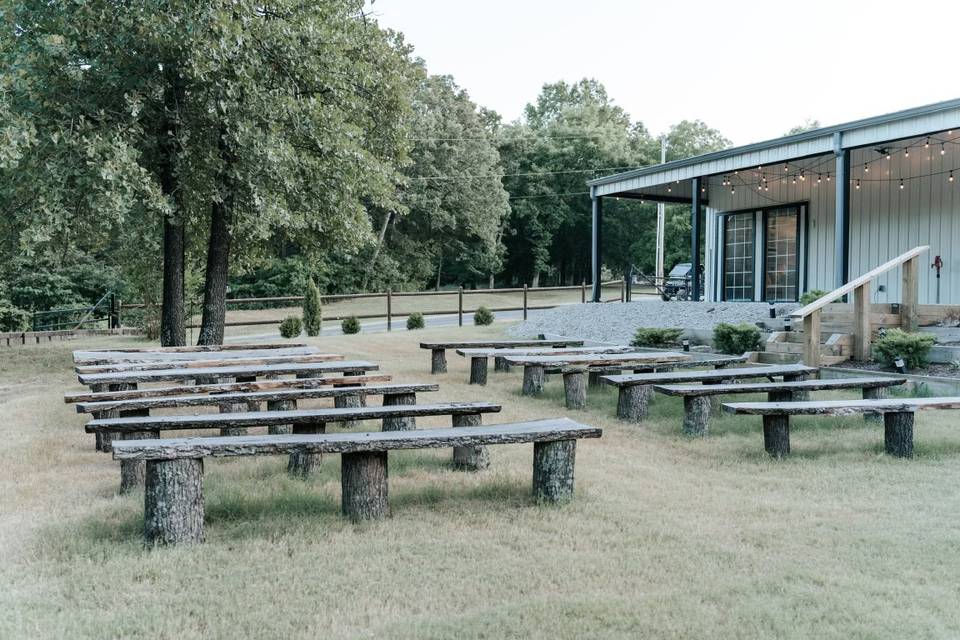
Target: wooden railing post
x,y
811,339
909,295
861,322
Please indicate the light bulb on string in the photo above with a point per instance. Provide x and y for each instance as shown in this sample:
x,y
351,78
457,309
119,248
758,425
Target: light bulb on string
x,y
866,168
950,179
818,178
785,167
943,149
733,190
906,152
926,145
901,183
858,184
828,176
802,177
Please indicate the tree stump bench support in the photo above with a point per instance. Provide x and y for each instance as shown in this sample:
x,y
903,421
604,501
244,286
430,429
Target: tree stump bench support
x,y
471,457
173,496
500,364
633,402
874,393
575,389
399,424
533,380
438,361
478,370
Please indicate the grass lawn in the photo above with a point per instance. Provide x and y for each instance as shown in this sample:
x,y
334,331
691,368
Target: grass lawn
x,y
667,537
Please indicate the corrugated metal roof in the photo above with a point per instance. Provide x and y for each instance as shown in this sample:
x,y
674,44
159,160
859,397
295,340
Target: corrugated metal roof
x,y
799,145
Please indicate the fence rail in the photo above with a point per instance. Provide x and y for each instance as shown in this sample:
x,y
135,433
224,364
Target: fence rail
x,y
389,313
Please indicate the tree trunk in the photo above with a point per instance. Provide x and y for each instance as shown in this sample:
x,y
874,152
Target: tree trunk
x,y
535,280
388,216
575,389
173,327
218,253
363,480
173,501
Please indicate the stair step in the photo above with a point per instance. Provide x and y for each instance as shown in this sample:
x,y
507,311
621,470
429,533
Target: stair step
x,y
767,357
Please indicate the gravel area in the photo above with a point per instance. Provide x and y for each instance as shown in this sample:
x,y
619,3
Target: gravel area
x,y
616,322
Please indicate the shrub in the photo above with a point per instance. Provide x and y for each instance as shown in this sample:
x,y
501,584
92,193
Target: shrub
x,y
350,325
291,327
912,347
735,339
657,338
13,318
312,309
415,321
483,316
812,296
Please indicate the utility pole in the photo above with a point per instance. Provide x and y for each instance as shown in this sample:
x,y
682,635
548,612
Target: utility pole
x,y
661,218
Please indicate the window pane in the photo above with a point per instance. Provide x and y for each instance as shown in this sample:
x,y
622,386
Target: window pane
x,y
738,257
782,263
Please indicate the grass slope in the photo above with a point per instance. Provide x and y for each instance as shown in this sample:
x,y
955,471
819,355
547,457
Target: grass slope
x,y
667,537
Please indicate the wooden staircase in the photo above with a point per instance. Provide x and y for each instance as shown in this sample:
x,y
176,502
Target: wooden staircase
x,y
787,346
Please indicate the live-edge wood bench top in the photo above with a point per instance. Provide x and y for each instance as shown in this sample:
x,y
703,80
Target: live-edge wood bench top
x,y
115,357
200,364
842,407
540,351
699,376
256,396
598,359
175,448
498,344
765,387
225,372
297,416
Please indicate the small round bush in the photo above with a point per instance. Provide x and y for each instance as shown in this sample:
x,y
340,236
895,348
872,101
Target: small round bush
x,y
896,343
291,327
350,325
656,338
415,321
483,316
735,339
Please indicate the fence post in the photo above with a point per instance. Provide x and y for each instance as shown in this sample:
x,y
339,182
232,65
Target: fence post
x,y
389,311
623,290
119,313
583,291
460,304
524,302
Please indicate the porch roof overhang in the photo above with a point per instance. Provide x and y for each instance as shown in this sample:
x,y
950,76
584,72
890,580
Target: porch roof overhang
x,y
652,181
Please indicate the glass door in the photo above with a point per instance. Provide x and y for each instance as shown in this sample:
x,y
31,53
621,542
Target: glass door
x,y
738,251
781,263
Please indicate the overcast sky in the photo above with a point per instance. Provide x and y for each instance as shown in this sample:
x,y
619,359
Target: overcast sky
x,y
751,69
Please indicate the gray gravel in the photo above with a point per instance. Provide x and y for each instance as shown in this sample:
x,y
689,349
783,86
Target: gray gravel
x,y
616,323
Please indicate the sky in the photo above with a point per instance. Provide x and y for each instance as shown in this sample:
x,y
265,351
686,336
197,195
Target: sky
x,y
751,69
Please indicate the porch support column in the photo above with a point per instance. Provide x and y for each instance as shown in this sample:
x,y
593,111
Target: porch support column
x,y
695,207
841,232
596,259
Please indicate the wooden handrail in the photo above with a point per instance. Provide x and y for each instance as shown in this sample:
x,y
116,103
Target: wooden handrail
x,y
839,292
860,287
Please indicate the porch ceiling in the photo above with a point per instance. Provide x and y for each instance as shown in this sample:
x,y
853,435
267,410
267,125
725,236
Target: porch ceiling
x,y
673,178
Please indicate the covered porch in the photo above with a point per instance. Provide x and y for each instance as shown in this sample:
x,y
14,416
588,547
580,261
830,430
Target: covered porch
x,y
815,210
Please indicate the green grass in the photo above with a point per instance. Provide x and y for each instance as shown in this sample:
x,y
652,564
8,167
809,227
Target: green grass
x,y
667,537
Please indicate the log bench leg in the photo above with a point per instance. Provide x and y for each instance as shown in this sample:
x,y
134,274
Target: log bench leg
x,y
875,393
575,389
473,458
500,364
696,415
776,435
251,405
478,370
898,433
593,379
399,424
234,407
363,479
438,361
301,463
798,396
633,402
105,438
173,501
782,395
533,378
349,402
281,405
553,464
132,471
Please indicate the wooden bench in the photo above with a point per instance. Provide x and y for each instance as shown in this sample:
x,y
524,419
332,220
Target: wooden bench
x,y
173,496
227,387
395,418
897,418
248,351
575,367
697,405
479,357
438,359
635,390
199,364
245,372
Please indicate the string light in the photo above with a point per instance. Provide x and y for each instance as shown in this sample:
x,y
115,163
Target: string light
x,y
828,176
906,152
802,177
950,179
858,183
733,190
785,167
901,183
818,178
926,145
943,149
866,168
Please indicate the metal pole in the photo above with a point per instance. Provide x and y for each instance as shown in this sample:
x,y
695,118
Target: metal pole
x,y
460,304
597,260
695,240
389,311
524,302
841,232
661,221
